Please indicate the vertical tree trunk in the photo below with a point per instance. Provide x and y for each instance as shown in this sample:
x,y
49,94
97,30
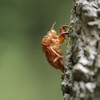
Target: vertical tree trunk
x,y
81,80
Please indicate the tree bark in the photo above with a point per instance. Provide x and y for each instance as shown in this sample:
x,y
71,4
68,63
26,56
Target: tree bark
x,y
81,80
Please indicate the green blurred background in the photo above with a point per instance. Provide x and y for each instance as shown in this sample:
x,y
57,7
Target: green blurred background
x,y
24,71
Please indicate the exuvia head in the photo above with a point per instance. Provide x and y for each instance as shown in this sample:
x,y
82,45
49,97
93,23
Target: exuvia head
x,y
63,28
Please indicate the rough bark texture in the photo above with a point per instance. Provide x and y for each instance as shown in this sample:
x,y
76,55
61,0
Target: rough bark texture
x,y
81,80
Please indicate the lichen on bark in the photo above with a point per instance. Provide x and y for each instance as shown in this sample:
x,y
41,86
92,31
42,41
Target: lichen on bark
x,y
81,80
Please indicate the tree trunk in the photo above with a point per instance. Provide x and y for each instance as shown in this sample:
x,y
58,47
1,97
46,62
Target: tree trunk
x,y
81,80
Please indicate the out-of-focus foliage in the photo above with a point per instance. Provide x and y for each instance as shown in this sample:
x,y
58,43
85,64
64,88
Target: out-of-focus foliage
x,y
24,71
